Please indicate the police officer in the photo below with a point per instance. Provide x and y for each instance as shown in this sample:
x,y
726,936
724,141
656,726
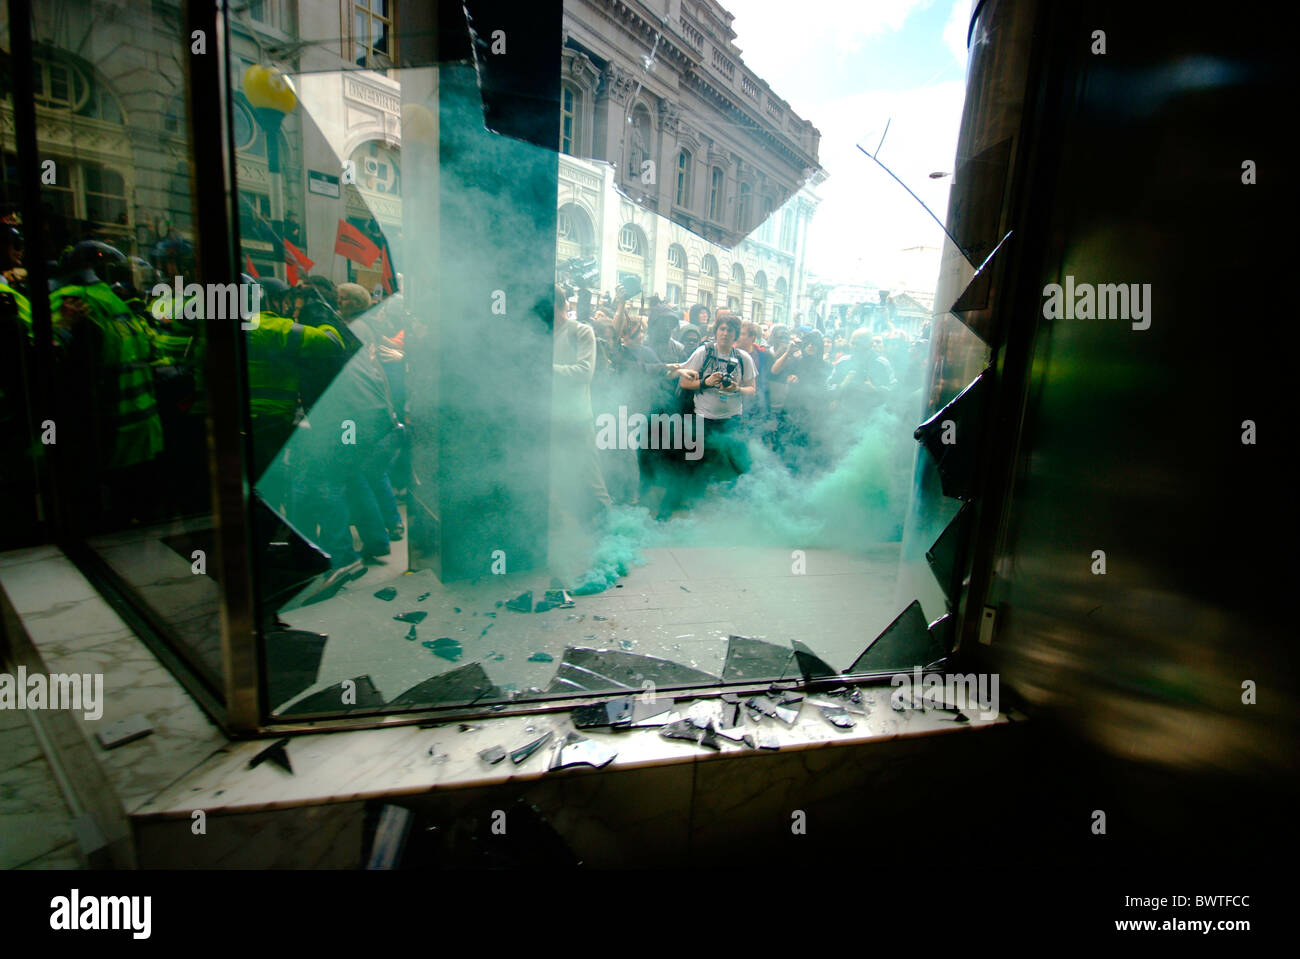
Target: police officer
x,y
100,339
279,348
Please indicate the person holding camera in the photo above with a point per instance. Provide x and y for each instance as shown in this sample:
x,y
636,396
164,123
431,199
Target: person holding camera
x,y
722,377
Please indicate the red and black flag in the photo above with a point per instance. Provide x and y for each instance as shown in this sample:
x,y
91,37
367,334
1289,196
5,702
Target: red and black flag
x,y
355,245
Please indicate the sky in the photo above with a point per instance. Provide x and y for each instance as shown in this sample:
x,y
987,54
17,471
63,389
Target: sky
x,y
849,67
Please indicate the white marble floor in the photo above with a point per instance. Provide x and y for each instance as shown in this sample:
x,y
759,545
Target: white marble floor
x,y
35,822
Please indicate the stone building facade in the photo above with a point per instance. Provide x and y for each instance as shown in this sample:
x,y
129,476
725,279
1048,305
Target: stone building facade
x,y
679,164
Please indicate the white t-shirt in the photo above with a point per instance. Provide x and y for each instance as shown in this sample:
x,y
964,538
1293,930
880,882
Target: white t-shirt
x,y
710,401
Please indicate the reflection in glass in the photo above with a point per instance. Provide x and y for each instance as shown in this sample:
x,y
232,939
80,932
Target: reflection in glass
x,y
479,485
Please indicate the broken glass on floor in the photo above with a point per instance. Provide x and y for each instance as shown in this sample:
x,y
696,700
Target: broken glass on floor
x,y
579,751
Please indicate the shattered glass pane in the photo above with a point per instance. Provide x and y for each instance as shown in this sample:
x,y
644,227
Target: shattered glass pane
x,y
602,669
904,643
502,507
755,659
942,556
468,684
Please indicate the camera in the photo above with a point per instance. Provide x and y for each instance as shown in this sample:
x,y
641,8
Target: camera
x,y
729,374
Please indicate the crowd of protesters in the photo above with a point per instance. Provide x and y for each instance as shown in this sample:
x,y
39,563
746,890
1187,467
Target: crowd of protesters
x,y
800,391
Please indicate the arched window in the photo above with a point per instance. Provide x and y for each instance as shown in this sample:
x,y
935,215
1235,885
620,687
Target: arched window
x,y
684,178
760,281
738,274
676,257
63,85
574,233
709,266
570,117
629,241
716,196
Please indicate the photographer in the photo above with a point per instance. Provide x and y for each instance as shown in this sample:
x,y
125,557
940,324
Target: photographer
x,y
721,377
804,371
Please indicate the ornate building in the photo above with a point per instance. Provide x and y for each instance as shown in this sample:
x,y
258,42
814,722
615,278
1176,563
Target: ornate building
x,y
680,165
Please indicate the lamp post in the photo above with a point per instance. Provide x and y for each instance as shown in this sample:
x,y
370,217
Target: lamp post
x,y
272,97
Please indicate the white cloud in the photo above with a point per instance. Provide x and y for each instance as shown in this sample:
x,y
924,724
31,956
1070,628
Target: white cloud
x,y
866,220
954,31
769,29
867,228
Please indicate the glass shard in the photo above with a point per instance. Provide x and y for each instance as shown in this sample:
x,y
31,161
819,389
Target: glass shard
x,y
811,666
520,755
904,643
579,751
359,694
492,755
755,659
292,662
274,753
615,712
942,556
658,713
838,716
600,670
952,435
468,684
387,594
682,729
416,617
523,603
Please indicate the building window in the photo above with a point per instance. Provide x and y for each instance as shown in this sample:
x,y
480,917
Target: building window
x,y
629,241
742,209
787,230
706,297
768,226
90,193
708,266
674,294
564,225
715,194
570,98
65,86
733,305
684,179
738,275
372,33
676,257
758,311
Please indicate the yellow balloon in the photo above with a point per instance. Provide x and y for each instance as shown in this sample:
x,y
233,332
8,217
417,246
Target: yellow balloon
x,y
268,87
